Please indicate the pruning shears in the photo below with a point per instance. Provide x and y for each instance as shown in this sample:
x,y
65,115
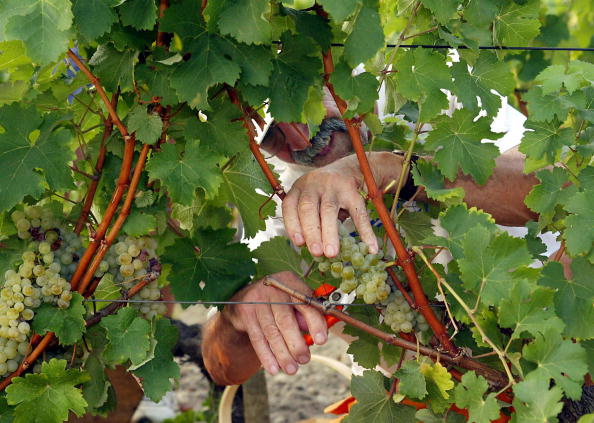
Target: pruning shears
x,y
335,298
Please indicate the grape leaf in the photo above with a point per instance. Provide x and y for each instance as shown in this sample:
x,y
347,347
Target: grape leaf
x,y
21,154
365,351
68,324
240,181
457,145
425,415
469,395
442,9
245,20
156,375
114,68
183,18
544,197
373,402
458,220
485,267
47,396
561,360
360,92
201,214
534,402
208,257
572,76
6,411
574,299
208,65
93,17
366,36
516,24
95,390
11,253
148,126
339,10
255,62
486,74
579,231
293,72
313,26
43,25
129,337
277,255
411,382
140,14
140,223
439,382
416,225
529,309
543,144
425,174
421,76
157,78
548,107
182,174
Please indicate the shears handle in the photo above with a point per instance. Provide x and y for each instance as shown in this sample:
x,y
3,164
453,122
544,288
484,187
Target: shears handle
x,y
323,290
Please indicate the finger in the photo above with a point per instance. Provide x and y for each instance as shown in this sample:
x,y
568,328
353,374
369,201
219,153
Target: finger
x,y
287,323
316,324
329,214
262,349
291,217
275,340
357,210
309,217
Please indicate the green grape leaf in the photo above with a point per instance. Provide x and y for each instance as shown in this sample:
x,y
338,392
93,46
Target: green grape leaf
x,y
572,76
277,255
579,231
426,175
157,78
425,415
487,262
439,382
360,92
21,155
68,324
255,62
542,145
183,18
148,126
457,145
43,25
12,91
443,10
548,107
314,110
574,298
245,21
156,375
293,72
201,214
6,411
421,76
534,402
95,390
208,257
417,226
223,132
339,10
140,223
240,181
183,174
373,402
129,337
544,197
534,243
469,395
529,309
366,36
114,68
516,24
47,396
486,74
140,14
365,351
457,221
561,360
93,17
208,65
11,253
411,382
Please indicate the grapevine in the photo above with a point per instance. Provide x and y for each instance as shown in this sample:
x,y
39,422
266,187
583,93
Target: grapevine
x,y
130,157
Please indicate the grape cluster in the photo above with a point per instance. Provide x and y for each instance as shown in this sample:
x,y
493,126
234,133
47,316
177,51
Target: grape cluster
x,y
400,316
358,269
128,261
42,277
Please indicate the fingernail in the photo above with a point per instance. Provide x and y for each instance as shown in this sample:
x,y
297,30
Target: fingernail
x,y
298,239
373,249
273,369
320,338
330,251
291,368
316,249
303,359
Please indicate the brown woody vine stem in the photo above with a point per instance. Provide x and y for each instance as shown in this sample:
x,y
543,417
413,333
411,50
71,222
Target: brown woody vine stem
x,y
376,197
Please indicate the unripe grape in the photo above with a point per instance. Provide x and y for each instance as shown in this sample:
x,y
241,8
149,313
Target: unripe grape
x,y
18,306
324,266
44,247
24,328
121,248
35,223
56,289
48,258
17,215
23,224
29,301
66,296
10,274
369,297
11,352
12,365
3,357
28,290
33,212
29,256
357,259
24,234
63,304
55,267
51,237
127,270
27,314
348,272
124,258
25,271
3,369
23,348
133,250
38,270
104,266
406,327
66,258
138,264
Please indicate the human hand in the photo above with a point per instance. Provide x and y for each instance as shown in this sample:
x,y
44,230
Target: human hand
x,y
311,207
275,331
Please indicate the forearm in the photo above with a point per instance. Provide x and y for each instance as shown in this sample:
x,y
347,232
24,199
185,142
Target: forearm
x,y
228,354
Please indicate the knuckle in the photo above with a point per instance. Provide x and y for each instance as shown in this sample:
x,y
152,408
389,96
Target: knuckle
x,y
329,205
271,331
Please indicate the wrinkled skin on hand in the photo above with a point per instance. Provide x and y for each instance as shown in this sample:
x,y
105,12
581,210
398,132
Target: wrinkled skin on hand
x,y
275,331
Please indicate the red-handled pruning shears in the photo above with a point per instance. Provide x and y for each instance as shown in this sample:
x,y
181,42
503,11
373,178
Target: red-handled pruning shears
x,y
333,295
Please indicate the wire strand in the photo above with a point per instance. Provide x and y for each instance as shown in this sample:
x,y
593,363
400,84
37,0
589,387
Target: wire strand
x,y
102,300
